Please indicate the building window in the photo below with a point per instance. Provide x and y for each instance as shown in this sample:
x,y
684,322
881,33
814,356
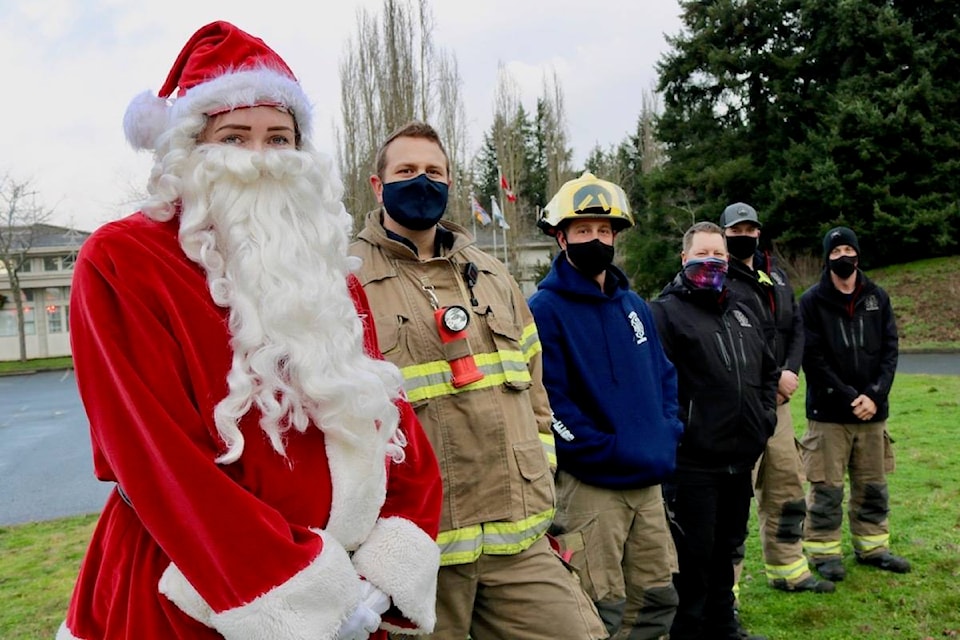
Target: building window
x,y
53,294
51,263
8,322
26,267
54,318
68,260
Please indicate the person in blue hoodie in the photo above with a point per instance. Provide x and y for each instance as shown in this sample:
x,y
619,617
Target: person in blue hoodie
x,y
613,393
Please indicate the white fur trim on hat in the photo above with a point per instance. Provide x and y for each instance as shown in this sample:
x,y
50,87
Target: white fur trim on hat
x,y
148,116
311,604
144,120
401,560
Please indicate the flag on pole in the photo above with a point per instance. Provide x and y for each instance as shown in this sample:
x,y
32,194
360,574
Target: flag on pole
x,y
511,196
479,213
497,214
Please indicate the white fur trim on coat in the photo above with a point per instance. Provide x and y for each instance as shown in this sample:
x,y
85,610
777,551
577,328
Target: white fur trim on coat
x,y
64,634
401,560
358,471
312,605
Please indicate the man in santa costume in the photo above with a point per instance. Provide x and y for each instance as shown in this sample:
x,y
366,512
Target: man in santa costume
x,y
272,482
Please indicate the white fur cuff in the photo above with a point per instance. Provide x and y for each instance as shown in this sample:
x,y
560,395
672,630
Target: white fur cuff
x,y
310,605
64,634
402,561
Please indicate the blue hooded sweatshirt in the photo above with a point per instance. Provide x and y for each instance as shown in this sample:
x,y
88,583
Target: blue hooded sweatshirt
x,y
612,389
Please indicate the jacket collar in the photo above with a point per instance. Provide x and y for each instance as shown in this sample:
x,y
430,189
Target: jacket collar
x,y
450,237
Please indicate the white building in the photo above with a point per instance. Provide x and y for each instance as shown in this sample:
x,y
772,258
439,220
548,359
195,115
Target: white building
x,y
45,279
528,263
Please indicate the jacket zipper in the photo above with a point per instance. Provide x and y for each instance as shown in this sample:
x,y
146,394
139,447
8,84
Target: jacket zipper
x,y
733,348
723,351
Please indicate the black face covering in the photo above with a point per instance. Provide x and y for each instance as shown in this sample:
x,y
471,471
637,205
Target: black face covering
x,y
742,247
843,266
591,258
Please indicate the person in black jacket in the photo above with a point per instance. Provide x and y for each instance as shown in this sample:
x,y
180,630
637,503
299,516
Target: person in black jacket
x,y
727,388
849,359
778,477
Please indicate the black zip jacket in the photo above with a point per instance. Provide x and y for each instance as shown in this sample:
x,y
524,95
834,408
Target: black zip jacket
x,y
767,289
727,377
851,348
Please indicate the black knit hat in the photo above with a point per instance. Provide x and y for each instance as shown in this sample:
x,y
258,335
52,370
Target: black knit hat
x,y
838,236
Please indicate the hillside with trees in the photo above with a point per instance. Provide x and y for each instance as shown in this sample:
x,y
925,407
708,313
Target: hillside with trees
x,y
816,113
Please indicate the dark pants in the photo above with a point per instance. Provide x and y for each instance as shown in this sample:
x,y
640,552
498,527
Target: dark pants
x,y
711,512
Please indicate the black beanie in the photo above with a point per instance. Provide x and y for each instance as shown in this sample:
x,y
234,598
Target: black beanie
x,y
838,236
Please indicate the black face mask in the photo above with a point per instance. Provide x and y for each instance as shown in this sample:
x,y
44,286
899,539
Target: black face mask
x,y
417,203
591,258
742,247
843,266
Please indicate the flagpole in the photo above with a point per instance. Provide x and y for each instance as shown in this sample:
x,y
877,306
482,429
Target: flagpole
x,y
506,260
497,222
473,216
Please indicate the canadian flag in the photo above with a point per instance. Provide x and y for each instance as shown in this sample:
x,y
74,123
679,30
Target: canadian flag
x,y
511,196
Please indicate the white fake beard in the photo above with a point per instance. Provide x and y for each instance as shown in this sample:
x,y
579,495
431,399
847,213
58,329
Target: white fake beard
x,y
271,233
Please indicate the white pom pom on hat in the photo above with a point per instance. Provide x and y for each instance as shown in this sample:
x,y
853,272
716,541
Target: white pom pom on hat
x,y
220,68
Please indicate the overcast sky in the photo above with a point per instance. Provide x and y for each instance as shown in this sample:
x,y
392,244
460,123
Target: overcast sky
x,y
71,67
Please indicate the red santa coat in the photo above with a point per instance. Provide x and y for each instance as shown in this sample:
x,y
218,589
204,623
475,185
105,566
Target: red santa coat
x,y
242,550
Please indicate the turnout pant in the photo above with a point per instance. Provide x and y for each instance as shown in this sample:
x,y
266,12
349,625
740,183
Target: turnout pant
x,y
781,506
532,595
863,452
711,511
621,548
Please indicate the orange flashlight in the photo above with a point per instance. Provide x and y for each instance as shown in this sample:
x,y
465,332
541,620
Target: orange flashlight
x,y
452,323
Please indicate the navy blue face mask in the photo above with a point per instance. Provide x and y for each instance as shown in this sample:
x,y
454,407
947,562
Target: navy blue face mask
x,y
417,203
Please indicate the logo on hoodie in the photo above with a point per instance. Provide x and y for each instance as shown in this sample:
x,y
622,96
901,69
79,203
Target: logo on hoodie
x,y
639,333
561,429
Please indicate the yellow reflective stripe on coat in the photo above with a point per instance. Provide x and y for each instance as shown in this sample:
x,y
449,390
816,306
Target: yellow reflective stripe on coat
x,y
433,379
870,543
463,546
549,447
530,341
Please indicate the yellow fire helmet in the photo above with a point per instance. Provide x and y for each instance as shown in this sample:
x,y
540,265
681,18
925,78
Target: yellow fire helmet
x,y
587,197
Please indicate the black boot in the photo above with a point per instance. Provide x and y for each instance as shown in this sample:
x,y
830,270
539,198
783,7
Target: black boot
x,y
886,561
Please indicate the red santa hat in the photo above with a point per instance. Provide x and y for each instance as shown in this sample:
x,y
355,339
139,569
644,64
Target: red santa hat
x,y
221,68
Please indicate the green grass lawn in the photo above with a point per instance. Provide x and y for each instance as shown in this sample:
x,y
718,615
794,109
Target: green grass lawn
x,y
39,562
924,527
35,364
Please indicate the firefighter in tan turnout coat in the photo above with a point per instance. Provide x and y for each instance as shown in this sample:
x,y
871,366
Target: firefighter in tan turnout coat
x,y
455,322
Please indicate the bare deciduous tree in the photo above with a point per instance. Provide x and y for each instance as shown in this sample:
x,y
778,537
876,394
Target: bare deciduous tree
x,y
391,73
508,136
651,150
23,222
558,153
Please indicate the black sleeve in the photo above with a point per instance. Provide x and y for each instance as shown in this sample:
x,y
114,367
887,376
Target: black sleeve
x,y
890,348
794,347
